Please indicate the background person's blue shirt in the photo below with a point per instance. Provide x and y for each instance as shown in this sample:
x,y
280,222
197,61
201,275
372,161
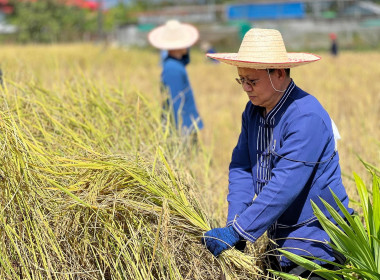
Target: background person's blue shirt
x,y
275,160
175,80
163,55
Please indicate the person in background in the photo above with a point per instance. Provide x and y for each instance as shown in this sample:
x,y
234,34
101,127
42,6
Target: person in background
x,y
1,78
176,38
206,47
285,157
334,44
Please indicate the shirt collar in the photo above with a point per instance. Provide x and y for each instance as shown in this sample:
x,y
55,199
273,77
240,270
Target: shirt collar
x,y
280,103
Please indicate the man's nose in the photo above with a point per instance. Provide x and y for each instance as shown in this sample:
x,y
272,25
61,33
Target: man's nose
x,y
247,86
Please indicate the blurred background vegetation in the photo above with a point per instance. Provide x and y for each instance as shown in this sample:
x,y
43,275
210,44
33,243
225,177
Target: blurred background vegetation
x,y
126,22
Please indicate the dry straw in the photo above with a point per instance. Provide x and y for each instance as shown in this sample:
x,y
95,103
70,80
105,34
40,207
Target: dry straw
x,y
264,49
74,208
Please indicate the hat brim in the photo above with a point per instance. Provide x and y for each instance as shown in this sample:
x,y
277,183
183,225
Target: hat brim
x,y
294,60
189,36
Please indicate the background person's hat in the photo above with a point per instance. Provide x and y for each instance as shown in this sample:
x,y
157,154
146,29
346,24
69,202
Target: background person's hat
x,y
173,35
264,49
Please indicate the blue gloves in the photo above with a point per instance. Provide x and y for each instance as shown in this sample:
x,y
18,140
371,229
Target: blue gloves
x,y
220,239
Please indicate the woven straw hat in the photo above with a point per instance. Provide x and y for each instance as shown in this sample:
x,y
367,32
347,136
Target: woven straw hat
x,y
173,35
264,49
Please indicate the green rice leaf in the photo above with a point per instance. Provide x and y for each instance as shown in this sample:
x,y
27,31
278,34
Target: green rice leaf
x,y
309,265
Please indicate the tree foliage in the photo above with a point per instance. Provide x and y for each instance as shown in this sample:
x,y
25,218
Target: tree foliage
x,y
119,14
48,21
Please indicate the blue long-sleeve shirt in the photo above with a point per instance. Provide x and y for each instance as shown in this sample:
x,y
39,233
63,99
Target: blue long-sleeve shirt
x,y
280,163
175,79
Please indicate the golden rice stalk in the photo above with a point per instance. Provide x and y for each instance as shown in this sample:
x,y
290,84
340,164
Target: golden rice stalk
x,y
74,209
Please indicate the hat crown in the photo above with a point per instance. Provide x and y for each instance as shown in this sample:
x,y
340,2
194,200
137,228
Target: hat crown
x,y
173,31
263,45
173,35
172,24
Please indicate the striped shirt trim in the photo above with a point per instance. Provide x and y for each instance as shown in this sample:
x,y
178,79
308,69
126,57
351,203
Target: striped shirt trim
x,y
263,142
243,233
278,106
306,222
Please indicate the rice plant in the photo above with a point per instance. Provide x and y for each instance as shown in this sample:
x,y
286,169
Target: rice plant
x,y
74,206
357,237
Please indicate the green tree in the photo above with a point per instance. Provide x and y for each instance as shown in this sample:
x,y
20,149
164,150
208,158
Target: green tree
x,y
116,16
50,21
122,13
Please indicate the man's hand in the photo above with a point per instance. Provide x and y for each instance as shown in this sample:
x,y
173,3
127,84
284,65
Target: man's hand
x,y
219,239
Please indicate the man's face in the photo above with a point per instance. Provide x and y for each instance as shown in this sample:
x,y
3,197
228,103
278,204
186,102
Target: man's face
x,y
258,87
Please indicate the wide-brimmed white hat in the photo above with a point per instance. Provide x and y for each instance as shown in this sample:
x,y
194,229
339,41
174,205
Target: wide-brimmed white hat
x,y
173,35
264,49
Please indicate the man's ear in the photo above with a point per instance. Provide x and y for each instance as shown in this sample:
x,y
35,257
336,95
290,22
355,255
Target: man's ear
x,y
281,74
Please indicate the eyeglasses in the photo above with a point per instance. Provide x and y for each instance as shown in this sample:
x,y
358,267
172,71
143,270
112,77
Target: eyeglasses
x,y
251,83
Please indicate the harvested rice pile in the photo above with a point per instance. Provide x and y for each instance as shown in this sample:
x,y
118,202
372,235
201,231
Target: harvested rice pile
x,y
92,188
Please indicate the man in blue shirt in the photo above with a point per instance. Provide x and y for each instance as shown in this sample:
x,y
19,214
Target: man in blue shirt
x,y
285,156
176,38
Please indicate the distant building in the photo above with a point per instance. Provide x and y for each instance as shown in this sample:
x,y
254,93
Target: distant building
x,y
303,23
130,35
362,9
5,7
266,11
190,14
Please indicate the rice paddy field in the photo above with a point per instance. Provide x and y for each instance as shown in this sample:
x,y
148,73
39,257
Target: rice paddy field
x,y
93,186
